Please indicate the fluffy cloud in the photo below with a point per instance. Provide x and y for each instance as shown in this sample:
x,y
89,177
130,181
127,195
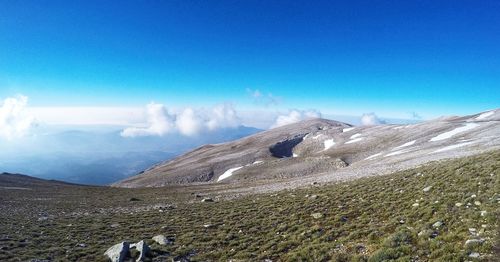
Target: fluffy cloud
x,y
159,123
222,116
14,120
188,122
371,119
295,116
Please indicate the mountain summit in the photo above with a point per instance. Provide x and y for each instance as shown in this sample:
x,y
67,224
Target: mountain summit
x,y
326,150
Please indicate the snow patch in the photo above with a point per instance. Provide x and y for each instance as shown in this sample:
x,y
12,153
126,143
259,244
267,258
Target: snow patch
x,y
228,173
405,145
452,147
395,153
354,140
329,143
348,129
295,155
373,156
316,136
485,115
455,131
355,135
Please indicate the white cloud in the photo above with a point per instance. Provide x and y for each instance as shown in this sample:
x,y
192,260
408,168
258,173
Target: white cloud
x,y
188,122
295,116
14,120
223,115
371,119
93,116
159,121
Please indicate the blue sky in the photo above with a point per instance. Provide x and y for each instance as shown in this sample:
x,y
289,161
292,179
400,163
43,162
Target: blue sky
x,y
338,57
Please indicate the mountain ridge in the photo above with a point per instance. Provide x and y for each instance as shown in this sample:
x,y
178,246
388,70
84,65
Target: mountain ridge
x,y
321,147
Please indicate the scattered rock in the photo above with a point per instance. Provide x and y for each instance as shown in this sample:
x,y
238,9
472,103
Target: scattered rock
x,y
415,205
438,224
114,225
474,241
313,197
207,199
143,250
474,255
483,213
317,215
118,252
477,203
82,245
134,199
163,240
458,204
208,226
427,189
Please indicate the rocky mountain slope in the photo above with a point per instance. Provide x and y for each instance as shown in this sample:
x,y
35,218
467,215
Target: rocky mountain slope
x,y
325,150
18,181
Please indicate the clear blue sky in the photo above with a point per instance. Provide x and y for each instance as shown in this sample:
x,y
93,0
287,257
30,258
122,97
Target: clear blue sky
x,y
422,56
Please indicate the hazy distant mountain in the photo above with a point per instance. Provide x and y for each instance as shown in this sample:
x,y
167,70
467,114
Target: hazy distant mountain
x,y
101,157
327,150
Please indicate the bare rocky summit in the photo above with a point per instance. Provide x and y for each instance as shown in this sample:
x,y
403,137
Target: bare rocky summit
x,y
325,150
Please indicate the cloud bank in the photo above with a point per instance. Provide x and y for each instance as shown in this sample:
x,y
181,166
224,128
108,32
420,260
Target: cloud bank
x,y
295,116
188,122
14,120
371,119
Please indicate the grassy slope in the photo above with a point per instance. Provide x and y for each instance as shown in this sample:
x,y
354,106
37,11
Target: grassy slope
x,y
367,219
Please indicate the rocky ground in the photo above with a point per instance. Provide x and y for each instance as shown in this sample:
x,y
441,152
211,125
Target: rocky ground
x,y
441,211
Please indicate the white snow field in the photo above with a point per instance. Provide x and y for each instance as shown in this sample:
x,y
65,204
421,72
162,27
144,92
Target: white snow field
x,y
455,131
452,147
405,145
228,173
347,129
485,115
328,143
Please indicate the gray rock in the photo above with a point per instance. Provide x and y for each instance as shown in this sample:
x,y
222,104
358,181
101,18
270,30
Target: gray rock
x,y
474,241
438,224
162,240
317,215
427,189
143,249
474,255
207,199
118,252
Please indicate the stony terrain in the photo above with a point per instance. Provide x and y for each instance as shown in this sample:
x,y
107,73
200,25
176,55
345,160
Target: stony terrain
x,y
441,211
325,150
